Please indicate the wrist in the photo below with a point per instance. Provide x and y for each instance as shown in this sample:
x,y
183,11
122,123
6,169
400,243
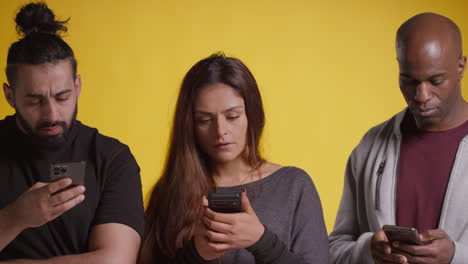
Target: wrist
x,y
9,221
260,233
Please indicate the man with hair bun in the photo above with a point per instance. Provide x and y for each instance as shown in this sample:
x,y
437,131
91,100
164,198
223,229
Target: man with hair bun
x,y
412,170
67,193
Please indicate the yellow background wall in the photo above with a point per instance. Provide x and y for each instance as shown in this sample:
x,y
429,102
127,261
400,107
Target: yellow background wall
x,y
326,69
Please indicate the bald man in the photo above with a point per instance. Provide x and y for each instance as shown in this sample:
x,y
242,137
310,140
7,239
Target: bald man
x,y
412,170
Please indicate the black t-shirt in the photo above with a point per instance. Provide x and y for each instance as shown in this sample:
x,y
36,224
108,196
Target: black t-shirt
x,y
112,181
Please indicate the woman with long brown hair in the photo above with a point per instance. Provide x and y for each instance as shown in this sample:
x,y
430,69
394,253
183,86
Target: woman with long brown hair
x,y
214,147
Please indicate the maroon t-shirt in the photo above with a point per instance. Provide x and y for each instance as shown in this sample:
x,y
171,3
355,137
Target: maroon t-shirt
x,y
425,164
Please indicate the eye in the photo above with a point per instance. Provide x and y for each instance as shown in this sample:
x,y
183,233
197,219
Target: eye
x,y
437,82
62,98
203,120
234,117
33,102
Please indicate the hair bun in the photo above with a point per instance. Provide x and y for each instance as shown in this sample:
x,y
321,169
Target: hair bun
x,y
38,18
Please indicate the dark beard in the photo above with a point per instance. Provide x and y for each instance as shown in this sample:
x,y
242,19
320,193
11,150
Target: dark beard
x,y
51,143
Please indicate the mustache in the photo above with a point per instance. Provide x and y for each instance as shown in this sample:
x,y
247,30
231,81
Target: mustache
x,y
51,124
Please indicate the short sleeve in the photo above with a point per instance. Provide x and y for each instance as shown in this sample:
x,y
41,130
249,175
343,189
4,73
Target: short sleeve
x,y
121,195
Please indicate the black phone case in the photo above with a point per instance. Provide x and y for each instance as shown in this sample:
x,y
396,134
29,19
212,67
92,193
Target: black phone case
x,y
74,170
225,202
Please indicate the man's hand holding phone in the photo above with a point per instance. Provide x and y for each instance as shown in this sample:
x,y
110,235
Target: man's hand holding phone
x,y
382,251
394,244
42,203
437,247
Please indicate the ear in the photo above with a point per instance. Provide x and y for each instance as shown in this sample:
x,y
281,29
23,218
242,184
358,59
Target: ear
x,y
77,84
9,96
461,67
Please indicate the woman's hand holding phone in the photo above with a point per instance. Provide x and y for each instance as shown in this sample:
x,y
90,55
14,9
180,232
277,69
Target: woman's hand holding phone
x,y
224,231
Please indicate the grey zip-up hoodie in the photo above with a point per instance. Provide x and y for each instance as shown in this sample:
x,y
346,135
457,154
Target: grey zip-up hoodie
x,y
368,200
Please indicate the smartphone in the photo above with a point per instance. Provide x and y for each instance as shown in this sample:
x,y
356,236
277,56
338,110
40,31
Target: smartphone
x,y
74,170
408,235
225,202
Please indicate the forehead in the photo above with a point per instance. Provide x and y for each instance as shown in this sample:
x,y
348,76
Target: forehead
x,y
43,77
218,97
423,53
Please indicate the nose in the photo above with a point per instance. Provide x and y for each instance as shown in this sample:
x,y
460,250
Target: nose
x,y
423,93
221,127
49,111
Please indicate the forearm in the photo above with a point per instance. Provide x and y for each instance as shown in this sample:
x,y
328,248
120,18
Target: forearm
x,y
94,257
269,249
9,228
346,249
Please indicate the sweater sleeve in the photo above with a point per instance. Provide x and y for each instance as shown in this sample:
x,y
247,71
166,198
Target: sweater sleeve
x,y
347,244
309,241
269,249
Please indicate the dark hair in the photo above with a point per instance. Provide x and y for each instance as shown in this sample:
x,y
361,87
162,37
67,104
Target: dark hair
x,y
175,205
40,42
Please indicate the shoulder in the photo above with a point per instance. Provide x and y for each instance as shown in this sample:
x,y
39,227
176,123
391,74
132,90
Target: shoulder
x,y
102,144
379,134
294,178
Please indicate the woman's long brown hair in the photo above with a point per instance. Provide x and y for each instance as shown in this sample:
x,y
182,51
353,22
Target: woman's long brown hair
x,y
174,207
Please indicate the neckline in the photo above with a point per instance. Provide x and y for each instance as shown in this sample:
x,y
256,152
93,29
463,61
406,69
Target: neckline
x,y
408,126
261,182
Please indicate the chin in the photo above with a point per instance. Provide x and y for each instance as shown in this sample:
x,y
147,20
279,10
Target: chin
x,y
428,123
224,158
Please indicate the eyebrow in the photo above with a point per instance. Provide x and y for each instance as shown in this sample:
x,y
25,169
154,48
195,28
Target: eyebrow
x,y
224,111
430,77
34,95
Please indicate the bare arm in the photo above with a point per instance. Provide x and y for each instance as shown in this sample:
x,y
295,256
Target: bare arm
x,y
109,243
36,206
8,228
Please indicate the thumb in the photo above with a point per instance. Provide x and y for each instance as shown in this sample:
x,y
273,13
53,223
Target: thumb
x,y
379,236
245,203
204,201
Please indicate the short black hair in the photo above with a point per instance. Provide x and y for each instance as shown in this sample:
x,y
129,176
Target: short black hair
x,y
39,41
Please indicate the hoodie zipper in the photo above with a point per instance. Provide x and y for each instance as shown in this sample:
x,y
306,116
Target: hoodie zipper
x,y
377,187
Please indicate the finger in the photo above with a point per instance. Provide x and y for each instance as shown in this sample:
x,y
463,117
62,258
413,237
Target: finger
x,y
219,248
66,195
62,208
216,237
392,258
37,185
381,260
420,259
220,217
431,235
414,250
55,186
245,203
216,226
380,242
379,236
205,201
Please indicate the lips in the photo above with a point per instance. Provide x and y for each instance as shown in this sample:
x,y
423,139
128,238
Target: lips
x,y
51,131
223,145
427,112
